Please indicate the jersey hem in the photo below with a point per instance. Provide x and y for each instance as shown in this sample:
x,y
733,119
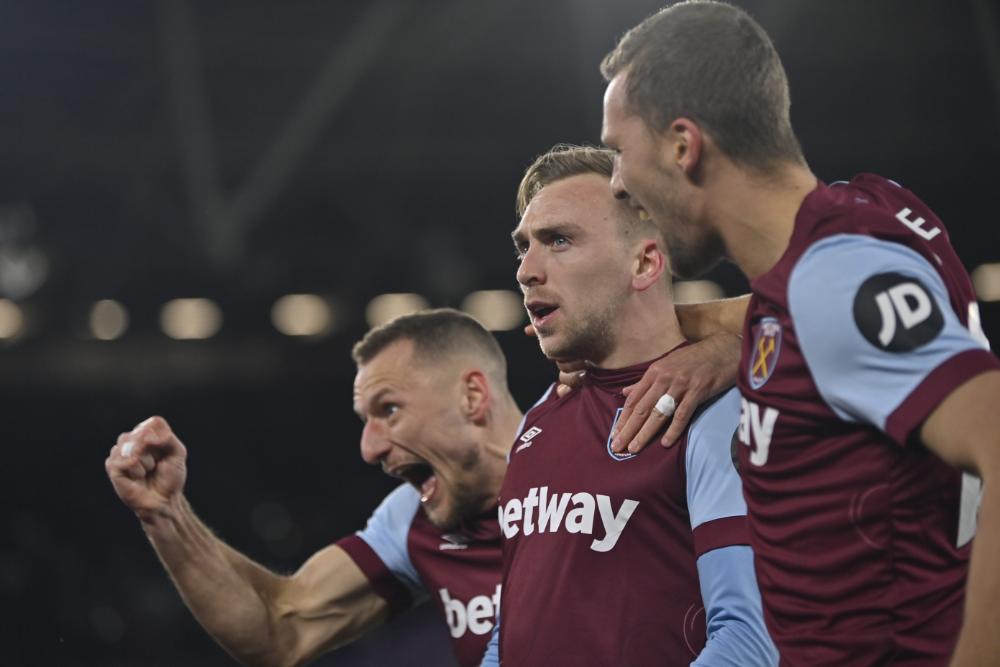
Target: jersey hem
x,y
934,388
383,581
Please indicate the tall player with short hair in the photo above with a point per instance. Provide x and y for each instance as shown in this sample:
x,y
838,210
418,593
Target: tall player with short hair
x,y
615,559
867,383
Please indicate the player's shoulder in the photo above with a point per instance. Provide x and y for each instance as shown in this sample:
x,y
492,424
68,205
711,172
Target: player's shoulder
x,y
716,420
399,506
542,407
867,204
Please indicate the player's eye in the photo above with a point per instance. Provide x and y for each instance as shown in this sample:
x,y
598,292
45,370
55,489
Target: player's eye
x,y
559,241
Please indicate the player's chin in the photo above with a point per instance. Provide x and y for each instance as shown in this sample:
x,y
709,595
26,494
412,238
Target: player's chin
x,y
551,346
442,514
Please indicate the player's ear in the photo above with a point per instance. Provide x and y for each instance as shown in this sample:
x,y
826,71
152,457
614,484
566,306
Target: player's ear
x,y
475,396
650,263
686,142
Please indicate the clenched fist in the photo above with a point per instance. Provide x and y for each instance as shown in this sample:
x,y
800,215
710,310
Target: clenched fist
x,y
147,467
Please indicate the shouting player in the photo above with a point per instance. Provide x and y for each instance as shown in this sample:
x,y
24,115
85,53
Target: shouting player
x,y
868,392
431,388
614,559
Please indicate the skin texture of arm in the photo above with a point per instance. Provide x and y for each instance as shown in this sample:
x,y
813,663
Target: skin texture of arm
x,y
965,431
724,316
259,617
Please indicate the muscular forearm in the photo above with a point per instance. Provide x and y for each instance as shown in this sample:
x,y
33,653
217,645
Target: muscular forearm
x,y
228,594
701,320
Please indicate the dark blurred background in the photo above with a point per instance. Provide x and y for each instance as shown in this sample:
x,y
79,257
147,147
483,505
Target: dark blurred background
x,y
234,153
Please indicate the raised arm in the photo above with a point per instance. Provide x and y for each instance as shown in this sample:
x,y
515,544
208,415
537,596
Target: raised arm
x,y
259,617
965,431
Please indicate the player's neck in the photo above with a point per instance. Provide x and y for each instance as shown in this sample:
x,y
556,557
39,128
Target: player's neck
x,y
500,436
503,429
646,328
756,213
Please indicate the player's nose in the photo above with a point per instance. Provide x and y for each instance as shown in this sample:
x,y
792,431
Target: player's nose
x,y
530,271
617,186
375,445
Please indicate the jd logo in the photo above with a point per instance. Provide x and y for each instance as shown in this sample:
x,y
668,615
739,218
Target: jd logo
x,y
896,312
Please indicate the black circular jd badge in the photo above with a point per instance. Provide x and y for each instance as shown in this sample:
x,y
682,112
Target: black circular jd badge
x,y
896,313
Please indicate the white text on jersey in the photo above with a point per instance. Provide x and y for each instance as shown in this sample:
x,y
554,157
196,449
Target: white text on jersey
x,y
756,430
917,225
476,617
518,514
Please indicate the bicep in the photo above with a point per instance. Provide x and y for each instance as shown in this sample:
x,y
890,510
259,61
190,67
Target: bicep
x,y
964,429
328,602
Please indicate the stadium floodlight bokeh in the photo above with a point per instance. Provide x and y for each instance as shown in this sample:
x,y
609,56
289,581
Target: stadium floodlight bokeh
x,y
497,310
302,315
385,307
109,320
191,319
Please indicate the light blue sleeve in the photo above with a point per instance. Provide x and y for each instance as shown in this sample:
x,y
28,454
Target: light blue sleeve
x,y
733,615
714,488
865,366
492,657
386,534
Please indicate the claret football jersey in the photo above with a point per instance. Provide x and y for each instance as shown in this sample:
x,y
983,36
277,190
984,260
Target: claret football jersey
x,y
861,535
600,548
408,559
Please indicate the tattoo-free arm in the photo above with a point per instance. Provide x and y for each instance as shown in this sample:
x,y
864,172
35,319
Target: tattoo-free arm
x,y
701,320
965,431
259,617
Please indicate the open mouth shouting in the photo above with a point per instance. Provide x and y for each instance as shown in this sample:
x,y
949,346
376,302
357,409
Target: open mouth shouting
x,y
421,476
541,313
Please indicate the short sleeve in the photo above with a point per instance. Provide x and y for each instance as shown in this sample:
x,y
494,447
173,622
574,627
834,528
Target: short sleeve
x,y
714,489
877,331
381,547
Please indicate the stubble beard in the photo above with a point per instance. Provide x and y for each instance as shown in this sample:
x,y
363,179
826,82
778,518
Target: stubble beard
x,y
465,500
692,259
693,249
591,340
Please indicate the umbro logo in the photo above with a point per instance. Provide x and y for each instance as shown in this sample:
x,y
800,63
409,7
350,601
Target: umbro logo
x,y
527,437
452,541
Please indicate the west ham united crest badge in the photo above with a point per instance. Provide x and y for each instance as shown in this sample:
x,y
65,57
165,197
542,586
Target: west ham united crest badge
x,y
766,348
613,454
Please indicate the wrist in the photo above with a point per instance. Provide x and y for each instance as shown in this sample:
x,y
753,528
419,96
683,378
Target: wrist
x,y
165,515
